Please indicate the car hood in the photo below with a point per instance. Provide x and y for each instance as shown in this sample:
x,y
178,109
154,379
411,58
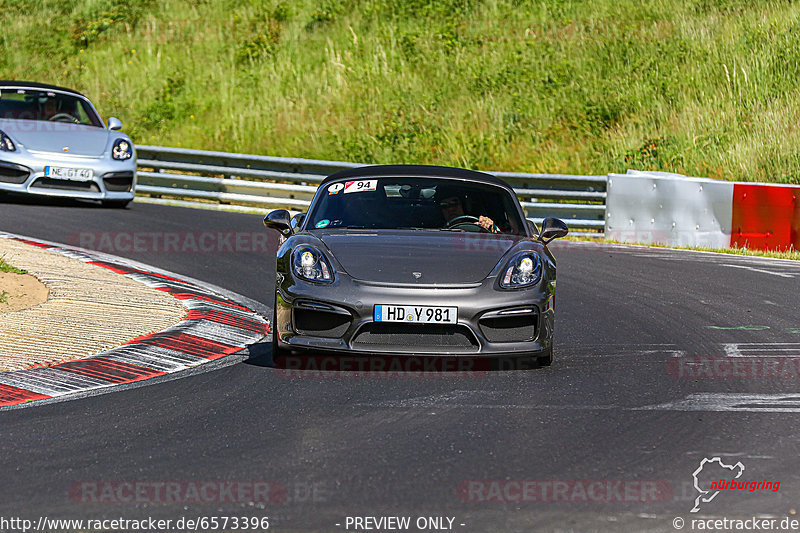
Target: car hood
x,y
43,136
418,257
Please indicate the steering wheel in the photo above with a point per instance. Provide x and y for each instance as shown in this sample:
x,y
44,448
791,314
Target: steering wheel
x,y
63,117
470,223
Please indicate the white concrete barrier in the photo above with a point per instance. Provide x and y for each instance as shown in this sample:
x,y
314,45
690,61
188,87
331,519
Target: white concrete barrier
x,y
659,207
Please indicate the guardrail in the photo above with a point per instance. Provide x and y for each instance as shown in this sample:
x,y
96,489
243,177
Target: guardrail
x,y
273,182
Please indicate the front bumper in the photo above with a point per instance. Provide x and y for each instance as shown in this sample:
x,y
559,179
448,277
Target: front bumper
x,y
23,172
339,318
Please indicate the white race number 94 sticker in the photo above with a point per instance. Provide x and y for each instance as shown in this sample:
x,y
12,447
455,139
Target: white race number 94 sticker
x,y
360,186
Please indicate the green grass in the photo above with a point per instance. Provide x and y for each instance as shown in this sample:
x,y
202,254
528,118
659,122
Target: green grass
x,y
6,267
701,87
788,254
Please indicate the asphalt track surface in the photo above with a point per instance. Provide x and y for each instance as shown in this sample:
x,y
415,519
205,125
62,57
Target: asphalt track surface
x,y
614,406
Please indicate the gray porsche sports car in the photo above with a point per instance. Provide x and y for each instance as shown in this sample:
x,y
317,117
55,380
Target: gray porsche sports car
x,y
415,260
53,142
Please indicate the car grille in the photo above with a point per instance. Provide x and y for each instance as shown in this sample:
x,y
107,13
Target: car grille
x,y
316,323
517,328
409,337
13,174
66,185
118,181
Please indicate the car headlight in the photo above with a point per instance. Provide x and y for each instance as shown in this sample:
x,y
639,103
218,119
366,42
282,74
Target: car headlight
x,y
122,150
6,144
310,264
524,270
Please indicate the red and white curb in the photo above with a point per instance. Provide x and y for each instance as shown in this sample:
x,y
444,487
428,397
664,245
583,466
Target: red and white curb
x,y
216,326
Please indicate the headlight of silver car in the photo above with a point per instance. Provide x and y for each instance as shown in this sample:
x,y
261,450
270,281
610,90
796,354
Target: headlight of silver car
x,y
310,264
6,144
524,270
122,150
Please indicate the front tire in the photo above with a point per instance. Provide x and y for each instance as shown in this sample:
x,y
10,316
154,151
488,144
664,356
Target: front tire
x,y
115,204
546,359
276,350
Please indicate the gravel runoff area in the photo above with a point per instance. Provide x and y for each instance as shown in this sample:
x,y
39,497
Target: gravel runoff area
x,y
89,309
20,291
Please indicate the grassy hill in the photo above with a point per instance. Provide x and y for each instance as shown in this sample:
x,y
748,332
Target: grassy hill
x,y
707,88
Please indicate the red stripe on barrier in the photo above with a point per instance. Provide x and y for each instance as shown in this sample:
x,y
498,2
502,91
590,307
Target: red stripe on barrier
x,y
14,396
224,318
190,344
109,370
765,217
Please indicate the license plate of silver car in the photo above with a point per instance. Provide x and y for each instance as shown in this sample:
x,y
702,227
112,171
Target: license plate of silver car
x,y
68,173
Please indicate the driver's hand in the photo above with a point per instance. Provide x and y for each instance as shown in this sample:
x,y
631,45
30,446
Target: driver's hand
x,y
486,223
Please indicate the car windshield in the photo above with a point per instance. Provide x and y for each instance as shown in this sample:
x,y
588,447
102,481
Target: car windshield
x,y
39,104
413,204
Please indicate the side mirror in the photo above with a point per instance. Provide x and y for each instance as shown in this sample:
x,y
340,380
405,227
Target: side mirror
x,y
279,220
114,123
297,221
552,228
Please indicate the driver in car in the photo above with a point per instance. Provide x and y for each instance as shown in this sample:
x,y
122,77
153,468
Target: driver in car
x,y
49,109
452,207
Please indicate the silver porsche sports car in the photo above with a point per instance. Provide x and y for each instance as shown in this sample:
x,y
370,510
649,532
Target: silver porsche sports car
x,y
415,260
53,142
